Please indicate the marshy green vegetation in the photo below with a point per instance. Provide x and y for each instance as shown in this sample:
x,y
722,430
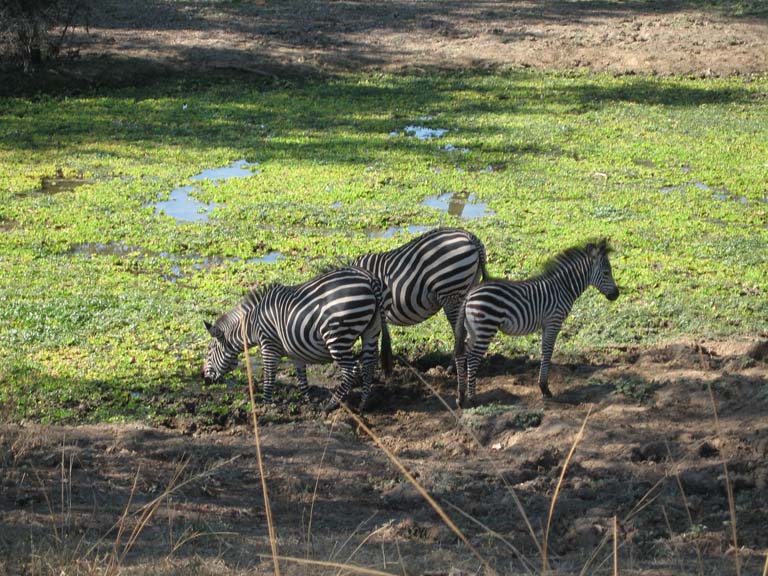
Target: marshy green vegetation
x,y
102,295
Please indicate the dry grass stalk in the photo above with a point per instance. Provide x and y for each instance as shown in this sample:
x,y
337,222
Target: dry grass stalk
x,y
121,523
362,543
544,562
765,568
317,484
529,568
402,565
326,564
728,485
491,459
149,511
615,545
146,511
335,552
421,490
194,535
699,559
267,506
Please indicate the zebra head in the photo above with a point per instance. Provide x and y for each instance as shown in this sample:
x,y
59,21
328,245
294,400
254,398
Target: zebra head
x,y
222,354
600,275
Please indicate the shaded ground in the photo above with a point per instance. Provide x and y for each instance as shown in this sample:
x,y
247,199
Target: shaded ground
x,y
639,36
651,432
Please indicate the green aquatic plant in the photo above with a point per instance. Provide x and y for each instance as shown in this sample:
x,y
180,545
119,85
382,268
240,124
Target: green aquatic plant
x,y
558,158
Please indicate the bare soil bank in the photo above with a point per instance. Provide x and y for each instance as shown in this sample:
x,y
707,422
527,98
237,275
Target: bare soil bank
x,y
652,455
640,37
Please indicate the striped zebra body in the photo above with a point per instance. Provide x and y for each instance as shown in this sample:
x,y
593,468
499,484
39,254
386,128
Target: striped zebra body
x,y
518,308
318,321
433,271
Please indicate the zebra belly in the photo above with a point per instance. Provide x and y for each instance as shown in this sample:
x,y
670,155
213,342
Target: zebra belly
x,y
398,316
316,353
511,328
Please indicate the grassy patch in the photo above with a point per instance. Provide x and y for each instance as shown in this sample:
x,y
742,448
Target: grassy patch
x,y
672,170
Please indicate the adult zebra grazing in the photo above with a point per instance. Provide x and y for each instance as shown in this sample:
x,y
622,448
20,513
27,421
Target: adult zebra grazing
x,y
318,321
432,271
517,308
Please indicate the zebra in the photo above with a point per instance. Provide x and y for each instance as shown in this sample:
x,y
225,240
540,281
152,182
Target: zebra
x,y
318,321
432,271
522,307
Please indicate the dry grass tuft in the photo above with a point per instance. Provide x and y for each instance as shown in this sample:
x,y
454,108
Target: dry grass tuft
x,y
267,505
579,436
421,490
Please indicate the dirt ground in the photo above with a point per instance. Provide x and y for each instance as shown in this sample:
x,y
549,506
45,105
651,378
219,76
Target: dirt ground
x,y
652,455
636,37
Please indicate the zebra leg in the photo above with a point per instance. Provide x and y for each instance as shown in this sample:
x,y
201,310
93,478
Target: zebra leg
x,y
547,347
345,359
370,349
451,307
475,353
301,377
270,359
461,377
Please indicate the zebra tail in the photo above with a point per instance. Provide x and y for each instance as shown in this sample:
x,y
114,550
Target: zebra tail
x,y
387,362
483,257
460,335
483,269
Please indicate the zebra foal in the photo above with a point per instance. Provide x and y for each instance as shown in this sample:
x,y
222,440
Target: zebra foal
x,y
318,321
522,307
432,271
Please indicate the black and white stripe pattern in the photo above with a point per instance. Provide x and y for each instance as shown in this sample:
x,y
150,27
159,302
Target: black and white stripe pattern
x,y
433,271
318,321
518,308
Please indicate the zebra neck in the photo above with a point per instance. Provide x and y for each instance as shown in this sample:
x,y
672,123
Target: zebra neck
x,y
569,281
235,322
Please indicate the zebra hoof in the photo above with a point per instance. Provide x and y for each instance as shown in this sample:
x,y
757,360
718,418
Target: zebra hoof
x,y
330,406
545,392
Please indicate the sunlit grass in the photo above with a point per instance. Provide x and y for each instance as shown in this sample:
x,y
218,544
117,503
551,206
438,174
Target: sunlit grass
x,y
671,170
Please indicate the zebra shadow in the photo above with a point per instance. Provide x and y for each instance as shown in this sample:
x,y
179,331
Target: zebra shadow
x,y
500,365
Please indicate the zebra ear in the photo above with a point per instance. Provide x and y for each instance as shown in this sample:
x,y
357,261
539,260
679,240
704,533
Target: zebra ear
x,y
214,330
604,247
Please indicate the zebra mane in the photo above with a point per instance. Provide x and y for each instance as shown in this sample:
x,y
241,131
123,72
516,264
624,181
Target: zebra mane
x,y
590,248
341,262
252,298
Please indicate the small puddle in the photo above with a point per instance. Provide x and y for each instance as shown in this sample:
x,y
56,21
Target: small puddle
x,y
270,258
200,263
491,168
644,162
421,132
722,194
395,230
459,204
184,208
238,169
54,185
108,249
452,148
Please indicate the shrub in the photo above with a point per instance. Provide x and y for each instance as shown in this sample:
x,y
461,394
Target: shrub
x,y
36,31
